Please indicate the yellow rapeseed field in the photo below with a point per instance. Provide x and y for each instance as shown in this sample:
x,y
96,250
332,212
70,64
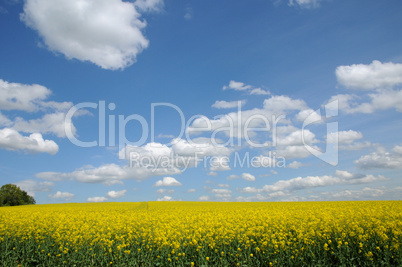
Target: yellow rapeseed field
x,y
198,233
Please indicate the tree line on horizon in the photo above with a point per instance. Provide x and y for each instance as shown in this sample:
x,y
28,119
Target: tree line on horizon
x,y
12,195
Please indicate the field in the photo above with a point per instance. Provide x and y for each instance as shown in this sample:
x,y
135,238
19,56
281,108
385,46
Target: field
x,y
200,234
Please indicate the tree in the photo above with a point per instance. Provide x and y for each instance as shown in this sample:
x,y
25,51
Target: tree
x,y
12,195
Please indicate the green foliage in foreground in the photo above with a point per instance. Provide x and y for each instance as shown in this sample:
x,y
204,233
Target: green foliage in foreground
x,y
350,252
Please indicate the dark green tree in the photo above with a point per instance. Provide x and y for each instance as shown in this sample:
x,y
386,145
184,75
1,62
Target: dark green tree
x,y
12,195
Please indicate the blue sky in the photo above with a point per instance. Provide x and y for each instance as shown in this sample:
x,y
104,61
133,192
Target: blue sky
x,y
321,80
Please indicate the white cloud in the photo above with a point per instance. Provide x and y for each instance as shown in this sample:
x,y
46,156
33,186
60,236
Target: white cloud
x,y
32,98
62,195
149,5
212,174
107,174
4,121
296,165
248,177
189,13
204,198
371,76
305,3
50,123
382,99
281,103
164,191
168,181
297,138
259,91
344,137
293,152
381,160
153,159
221,191
233,124
192,190
301,183
355,146
104,32
201,147
222,194
32,187
223,185
231,104
219,164
16,96
182,153
238,86
97,199
165,198
232,177
309,114
116,194
12,140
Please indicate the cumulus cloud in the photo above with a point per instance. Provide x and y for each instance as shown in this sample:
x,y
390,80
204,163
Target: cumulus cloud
x,y
12,140
192,190
62,195
165,198
222,194
240,124
152,159
381,159
4,121
259,91
167,181
371,76
305,3
97,199
232,177
53,123
232,104
32,98
301,183
309,114
16,96
239,86
107,33
32,186
108,174
116,194
346,140
296,165
149,5
204,198
296,138
344,137
248,177
294,151
219,164
164,191
382,99
182,153
202,147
